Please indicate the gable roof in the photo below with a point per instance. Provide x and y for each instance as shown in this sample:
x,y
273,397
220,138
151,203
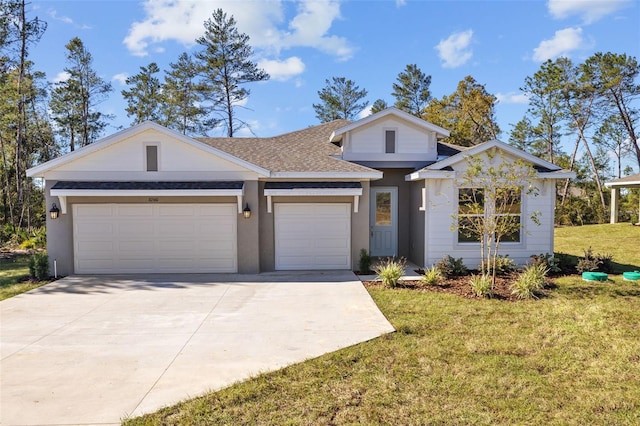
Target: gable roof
x,y
302,153
337,134
542,166
39,170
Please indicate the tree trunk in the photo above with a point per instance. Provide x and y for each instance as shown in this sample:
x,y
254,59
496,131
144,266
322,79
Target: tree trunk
x,y
573,160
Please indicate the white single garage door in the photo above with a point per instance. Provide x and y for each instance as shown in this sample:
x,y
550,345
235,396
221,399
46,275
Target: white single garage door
x,y
312,236
144,238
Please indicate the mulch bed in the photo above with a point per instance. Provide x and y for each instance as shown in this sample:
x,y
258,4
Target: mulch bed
x,y
460,286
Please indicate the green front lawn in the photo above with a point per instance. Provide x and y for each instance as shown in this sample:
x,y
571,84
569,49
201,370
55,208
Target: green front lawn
x,y
622,240
572,358
14,274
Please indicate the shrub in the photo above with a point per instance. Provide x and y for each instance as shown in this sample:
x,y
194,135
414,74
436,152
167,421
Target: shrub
x,y
606,262
591,262
39,266
451,267
431,276
551,263
481,285
566,263
531,279
504,265
390,271
365,261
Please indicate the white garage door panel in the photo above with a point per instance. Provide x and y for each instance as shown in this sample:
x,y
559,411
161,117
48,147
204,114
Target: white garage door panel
x,y
312,236
133,238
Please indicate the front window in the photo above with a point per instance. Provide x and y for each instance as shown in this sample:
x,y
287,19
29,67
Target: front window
x,y
470,214
508,211
498,212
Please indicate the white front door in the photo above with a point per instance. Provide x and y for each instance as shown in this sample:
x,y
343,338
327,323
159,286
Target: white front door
x,y
384,221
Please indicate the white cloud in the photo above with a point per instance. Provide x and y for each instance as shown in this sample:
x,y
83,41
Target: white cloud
x,y
61,76
54,15
400,3
454,50
311,25
365,112
563,42
512,98
282,70
67,20
120,78
589,10
263,21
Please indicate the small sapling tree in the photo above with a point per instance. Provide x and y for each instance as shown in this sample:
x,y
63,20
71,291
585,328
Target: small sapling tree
x,y
490,210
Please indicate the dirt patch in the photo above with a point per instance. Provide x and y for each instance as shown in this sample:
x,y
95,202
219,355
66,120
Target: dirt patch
x,y
461,286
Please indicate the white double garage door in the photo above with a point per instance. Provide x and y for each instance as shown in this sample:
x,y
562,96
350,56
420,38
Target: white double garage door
x,y
202,238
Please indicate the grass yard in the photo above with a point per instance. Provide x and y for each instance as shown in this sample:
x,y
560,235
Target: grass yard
x,y
14,271
622,240
572,358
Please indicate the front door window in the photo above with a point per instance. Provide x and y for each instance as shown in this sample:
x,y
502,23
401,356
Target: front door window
x,y
384,221
383,208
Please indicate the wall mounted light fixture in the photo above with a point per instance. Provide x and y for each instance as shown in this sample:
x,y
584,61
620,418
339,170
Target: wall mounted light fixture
x,y
246,212
54,212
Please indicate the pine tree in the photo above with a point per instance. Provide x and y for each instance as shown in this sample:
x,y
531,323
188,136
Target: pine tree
x,y
74,101
144,97
340,99
182,97
412,90
379,105
226,66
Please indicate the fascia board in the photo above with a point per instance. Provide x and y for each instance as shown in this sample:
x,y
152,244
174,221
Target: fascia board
x,y
430,174
146,192
313,192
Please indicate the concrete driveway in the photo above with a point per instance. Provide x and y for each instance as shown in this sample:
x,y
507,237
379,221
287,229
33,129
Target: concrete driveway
x,y
93,350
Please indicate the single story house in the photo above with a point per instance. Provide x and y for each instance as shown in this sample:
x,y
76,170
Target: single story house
x,y
148,199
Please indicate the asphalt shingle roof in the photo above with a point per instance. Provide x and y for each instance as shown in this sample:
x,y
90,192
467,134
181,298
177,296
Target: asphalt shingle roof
x,y
307,150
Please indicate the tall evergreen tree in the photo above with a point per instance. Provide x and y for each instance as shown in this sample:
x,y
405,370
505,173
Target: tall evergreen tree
x,y
578,101
468,113
545,105
412,90
182,98
226,66
17,34
340,98
614,78
74,100
144,96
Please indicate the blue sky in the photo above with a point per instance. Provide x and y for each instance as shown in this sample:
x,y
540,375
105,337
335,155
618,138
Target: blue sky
x,y
302,43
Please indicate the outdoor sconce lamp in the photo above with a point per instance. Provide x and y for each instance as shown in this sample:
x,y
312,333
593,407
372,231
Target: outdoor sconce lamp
x,y
246,212
54,212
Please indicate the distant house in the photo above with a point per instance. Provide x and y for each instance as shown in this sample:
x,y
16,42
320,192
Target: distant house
x,y
148,199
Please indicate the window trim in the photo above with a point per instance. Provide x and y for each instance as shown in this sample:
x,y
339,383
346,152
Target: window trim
x,y
146,156
512,244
